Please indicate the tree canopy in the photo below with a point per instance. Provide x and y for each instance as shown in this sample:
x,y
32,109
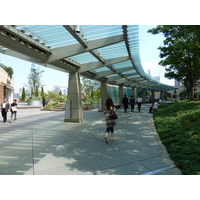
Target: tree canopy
x,y
34,80
181,54
90,91
9,70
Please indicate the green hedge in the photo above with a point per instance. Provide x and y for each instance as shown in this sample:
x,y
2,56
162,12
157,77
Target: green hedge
x,y
178,125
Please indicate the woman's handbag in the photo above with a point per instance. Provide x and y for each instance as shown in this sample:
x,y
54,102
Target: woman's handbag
x,y
113,116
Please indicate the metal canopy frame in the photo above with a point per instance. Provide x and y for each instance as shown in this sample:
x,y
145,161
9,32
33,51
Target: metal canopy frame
x,y
100,52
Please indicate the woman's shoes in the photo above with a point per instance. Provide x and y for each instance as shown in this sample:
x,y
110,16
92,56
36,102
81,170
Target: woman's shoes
x,y
112,136
106,140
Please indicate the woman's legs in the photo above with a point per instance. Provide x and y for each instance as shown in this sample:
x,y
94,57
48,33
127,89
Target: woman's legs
x,y
109,129
112,133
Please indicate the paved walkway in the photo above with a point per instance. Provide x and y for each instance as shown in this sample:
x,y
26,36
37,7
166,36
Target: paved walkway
x,y
40,143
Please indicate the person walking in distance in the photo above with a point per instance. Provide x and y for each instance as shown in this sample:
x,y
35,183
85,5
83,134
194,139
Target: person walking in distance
x,y
139,103
125,103
13,110
110,123
4,109
132,103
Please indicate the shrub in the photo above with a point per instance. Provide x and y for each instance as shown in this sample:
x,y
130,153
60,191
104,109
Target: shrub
x,y
178,127
54,99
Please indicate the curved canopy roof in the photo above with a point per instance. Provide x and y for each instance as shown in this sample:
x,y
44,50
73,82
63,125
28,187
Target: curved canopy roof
x,y
101,52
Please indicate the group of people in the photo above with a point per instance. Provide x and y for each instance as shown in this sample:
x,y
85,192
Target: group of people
x,y
126,103
5,107
110,109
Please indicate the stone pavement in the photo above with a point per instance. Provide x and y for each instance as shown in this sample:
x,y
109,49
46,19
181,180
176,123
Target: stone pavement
x,y
40,143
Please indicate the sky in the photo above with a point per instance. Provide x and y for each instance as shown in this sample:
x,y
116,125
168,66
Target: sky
x,y
149,55
104,12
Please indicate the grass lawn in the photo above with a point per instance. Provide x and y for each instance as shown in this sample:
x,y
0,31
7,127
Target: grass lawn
x,y
178,125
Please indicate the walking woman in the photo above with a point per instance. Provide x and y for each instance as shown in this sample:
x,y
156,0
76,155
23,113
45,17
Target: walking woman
x,y
109,109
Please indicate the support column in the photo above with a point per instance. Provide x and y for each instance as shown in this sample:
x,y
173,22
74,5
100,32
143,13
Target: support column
x,y
120,94
103,95
74,95
144,96
152,95
134,92
161,94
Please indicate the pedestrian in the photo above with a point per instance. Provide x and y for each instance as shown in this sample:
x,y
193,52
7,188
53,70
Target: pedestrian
x,y
125,103
139,103
132,103
44,102
4,109
13,111
109,109
155,105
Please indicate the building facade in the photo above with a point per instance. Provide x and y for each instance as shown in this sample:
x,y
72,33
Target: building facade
x,y
6,86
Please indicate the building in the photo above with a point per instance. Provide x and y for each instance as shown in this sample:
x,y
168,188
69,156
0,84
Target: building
x,y
59,88
6,86
156,78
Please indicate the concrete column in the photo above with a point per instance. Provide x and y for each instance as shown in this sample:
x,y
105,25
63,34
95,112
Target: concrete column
x,y
152,95
144,96
161,94
74,95
134,92
103,95
120,94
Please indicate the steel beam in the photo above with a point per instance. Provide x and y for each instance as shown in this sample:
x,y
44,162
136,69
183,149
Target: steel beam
x,y
95,65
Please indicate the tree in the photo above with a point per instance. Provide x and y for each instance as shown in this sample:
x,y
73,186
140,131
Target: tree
x,y
34,80
9,70
23,94
90,91
42,92
36,92
181,51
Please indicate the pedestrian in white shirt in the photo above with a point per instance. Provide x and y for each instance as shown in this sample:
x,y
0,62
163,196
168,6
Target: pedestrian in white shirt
x,y
139,103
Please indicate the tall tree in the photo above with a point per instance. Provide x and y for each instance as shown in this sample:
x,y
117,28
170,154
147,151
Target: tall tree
x,y
36,92
34,80
23,94
181,53
42,92
90,89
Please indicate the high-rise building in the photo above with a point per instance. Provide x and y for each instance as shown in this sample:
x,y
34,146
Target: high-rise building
x,y
177,83
156,78
59,88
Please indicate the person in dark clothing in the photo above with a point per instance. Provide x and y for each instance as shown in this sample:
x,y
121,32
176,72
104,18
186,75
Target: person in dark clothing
x,y
154,106
13,110
4,109
44,102
132,103
150,109
125,103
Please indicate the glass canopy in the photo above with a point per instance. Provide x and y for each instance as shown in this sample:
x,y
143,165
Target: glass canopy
x,y
101,52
